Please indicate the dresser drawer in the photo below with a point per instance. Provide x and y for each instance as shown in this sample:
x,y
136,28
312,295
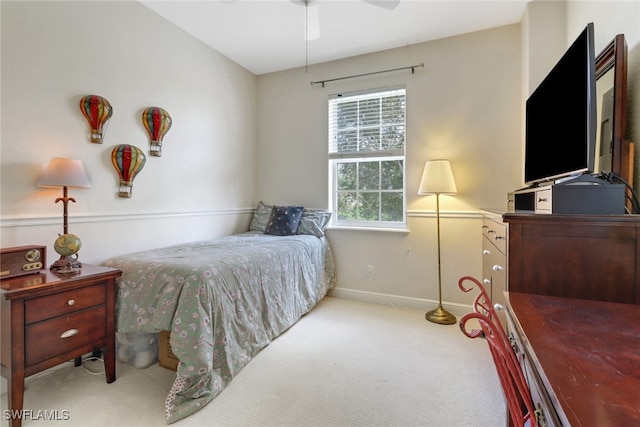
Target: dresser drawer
x,y
49,306
496,233
53,337
545,413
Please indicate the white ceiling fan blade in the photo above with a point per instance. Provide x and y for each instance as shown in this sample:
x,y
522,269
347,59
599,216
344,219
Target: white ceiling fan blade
x,y
385,4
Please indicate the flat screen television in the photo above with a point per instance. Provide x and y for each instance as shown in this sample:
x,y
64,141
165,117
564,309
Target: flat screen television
x,y
560,136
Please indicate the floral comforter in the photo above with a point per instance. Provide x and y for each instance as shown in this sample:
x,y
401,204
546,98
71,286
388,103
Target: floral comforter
x,y
222,300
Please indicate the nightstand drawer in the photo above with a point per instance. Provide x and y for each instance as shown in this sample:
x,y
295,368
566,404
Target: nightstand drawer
x,y
44,340
47,307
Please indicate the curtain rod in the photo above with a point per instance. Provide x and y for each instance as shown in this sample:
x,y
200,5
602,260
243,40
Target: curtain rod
x,y
411,67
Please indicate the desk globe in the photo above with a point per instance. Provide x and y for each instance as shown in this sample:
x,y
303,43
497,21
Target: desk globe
x,y
67,245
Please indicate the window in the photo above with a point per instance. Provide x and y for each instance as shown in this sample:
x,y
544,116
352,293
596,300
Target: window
x,y
367,158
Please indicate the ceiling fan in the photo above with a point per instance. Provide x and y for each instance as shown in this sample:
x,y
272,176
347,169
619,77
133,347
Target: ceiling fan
x,y
312,18
385,4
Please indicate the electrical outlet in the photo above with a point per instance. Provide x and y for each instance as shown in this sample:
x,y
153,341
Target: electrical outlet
x,y
370,270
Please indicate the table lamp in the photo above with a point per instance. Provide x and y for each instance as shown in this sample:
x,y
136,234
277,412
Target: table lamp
x,y
64,172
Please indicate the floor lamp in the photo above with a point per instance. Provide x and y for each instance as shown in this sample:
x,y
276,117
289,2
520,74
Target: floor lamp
x,y
437,179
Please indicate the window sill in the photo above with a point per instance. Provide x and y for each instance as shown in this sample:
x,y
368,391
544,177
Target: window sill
x,y
375,229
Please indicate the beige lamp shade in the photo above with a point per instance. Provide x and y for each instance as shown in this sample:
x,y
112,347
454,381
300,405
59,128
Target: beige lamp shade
x,y
64,172
437,178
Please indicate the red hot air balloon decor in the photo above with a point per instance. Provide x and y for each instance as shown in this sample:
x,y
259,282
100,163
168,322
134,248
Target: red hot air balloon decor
x,y
157,121
97,110
128,161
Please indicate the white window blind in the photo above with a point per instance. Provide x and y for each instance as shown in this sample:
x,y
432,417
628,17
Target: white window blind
x,y
369,124
366,158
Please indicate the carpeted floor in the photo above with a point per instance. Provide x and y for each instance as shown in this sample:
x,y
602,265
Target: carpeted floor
x,y
344,364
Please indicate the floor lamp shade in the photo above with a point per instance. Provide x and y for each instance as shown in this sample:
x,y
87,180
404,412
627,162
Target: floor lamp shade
x,y
437,179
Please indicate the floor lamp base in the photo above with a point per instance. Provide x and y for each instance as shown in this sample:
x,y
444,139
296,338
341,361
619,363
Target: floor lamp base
x,y
441,316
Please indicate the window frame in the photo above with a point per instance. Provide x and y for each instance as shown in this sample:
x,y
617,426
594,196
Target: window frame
x,y
335,158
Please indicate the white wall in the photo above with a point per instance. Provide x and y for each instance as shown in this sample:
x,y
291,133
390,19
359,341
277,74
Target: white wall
x,y
464,105
53,53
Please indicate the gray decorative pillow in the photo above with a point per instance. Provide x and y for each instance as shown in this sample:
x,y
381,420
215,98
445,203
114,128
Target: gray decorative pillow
x,y
314,222
261,216
308,226
284,220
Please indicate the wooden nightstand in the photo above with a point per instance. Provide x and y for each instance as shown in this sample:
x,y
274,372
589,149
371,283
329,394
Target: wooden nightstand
x,y
50,318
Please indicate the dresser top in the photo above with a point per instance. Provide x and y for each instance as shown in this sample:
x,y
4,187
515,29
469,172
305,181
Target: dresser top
x,y
588,354
576,219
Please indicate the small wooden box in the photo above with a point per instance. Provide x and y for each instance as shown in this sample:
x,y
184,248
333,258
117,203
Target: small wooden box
x,y
22,260
166,358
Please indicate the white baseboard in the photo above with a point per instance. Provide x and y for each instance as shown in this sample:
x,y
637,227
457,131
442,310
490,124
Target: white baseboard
x,y
425,305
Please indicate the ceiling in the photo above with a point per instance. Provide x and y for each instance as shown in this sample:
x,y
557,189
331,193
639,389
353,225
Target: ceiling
x,y
269,35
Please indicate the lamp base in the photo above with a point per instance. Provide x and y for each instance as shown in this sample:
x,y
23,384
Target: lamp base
x,y
440,316
66,265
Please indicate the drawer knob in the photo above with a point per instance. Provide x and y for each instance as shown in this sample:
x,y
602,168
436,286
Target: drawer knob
x,y
542,199
69,333
71,302
487,282
486,252
539,413
514,343
497,268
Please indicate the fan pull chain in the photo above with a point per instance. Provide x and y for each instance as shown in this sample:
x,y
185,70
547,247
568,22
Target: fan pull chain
x,y
306,37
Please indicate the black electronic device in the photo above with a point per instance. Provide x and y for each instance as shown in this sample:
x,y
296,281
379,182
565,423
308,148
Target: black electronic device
x,y
585,195
560,136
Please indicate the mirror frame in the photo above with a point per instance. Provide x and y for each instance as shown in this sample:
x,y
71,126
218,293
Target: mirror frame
x,y
614,55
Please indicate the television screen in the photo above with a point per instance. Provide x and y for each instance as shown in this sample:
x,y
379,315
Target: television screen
x,y
560,136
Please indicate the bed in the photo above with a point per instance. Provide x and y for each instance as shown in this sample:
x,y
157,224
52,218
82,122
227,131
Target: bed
x,y
223,300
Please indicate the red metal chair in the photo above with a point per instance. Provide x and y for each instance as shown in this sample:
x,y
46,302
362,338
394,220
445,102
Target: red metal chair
x,y
482,302
514,385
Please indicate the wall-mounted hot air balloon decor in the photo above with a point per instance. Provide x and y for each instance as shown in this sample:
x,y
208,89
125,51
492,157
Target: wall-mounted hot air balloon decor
x,y
128,161
97,110
157,121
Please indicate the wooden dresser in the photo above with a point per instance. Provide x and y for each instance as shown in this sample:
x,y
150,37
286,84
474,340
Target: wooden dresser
x,y
494,258
50,318
573,312
581,358
577,256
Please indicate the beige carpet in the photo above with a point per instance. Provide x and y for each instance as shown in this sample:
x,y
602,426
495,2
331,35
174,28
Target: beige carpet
x,y
344,364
